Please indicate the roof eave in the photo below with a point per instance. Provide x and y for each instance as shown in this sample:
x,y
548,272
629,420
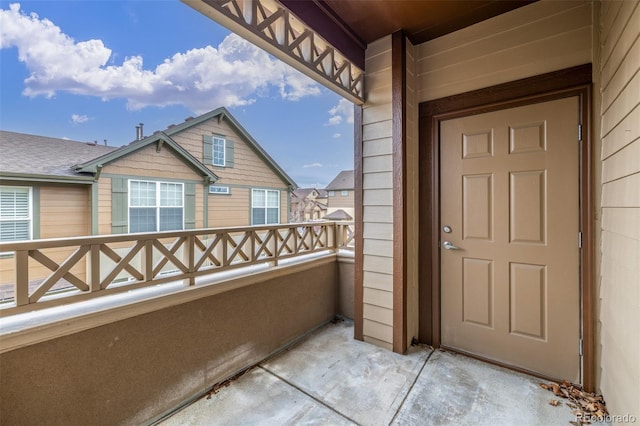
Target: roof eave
x,y
27,177
94,165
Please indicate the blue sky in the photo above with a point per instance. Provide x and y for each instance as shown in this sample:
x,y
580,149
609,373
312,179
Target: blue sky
x,y
93,70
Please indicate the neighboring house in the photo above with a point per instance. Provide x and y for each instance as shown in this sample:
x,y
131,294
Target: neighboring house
x,y
340,196
308,204
205,172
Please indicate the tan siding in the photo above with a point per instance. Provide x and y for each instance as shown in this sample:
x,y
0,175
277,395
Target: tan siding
x,y
149,163
65,211
249,168
230,210
378,298
379,281
284,211
377,196
619,289
339,201
104,206
199,206
541,37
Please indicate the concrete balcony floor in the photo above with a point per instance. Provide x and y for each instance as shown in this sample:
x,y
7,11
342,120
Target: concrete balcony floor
x,y
328,378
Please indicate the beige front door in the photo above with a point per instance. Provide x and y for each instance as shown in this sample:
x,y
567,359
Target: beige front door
x,y
509,237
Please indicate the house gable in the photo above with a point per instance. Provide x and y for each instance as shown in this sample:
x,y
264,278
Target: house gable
x,y
144,148
245,159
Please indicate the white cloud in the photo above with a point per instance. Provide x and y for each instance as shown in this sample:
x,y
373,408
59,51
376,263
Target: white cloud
x,y
308,166
342,111
336,135
235,73
79,119
335,120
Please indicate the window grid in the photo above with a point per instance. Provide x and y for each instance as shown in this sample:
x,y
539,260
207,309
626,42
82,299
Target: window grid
x,y
265,207
155,206
218,154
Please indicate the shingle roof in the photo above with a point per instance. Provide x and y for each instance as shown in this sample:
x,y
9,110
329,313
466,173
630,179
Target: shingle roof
x,y
344,180
303,192
41,155
338,215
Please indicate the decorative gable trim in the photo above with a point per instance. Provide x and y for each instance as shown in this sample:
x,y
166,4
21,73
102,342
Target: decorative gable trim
x,y
163,140
223,114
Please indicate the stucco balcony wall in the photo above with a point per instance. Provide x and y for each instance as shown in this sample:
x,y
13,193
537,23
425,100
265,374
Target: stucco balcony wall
x,y
134,370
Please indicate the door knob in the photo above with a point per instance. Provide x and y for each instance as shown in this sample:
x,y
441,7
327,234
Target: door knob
x,y
448,246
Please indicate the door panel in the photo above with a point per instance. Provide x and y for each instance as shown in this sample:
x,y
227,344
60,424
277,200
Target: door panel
x,y
509,192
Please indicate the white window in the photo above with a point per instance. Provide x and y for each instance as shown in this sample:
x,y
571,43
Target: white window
x,y
219,190
332,193
218,154
155,206
345,193
16,220
265,207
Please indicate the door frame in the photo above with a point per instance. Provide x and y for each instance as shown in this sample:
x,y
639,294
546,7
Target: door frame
x,y
575,81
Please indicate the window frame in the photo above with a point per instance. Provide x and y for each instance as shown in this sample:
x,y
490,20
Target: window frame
x,y
344,193
266,206
215,139
29,217
224,190
158,204
331,193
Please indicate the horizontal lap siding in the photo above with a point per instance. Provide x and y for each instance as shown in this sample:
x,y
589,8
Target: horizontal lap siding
x,y
229,210
248,168
541,37
65,211
620,245
104,206
147,162
378,197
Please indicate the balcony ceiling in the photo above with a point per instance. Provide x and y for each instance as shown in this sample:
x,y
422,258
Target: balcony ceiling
x,y
352,24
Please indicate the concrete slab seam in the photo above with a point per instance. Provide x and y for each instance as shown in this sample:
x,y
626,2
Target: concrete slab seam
x,y
411,387
319,401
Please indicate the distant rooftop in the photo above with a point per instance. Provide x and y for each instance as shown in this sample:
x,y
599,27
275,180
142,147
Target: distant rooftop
x,y
41,155
344,180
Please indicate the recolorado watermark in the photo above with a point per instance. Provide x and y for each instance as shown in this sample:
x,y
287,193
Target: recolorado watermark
x,y
609,418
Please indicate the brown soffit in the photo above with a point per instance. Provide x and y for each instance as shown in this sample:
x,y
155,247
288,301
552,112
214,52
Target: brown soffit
x,y
350,25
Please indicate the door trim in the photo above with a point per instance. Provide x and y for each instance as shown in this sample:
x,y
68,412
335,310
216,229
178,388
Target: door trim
x,y
575,81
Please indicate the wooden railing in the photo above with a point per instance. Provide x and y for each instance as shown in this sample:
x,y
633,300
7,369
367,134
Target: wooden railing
x,y
60,271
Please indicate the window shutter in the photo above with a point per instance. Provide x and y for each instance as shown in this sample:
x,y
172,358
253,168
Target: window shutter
x,y
119,213
229,154
207,149
189,206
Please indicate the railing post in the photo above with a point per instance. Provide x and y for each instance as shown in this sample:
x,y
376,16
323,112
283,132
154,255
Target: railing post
x,y
147,260
93,268
189,260
275,234
22,278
